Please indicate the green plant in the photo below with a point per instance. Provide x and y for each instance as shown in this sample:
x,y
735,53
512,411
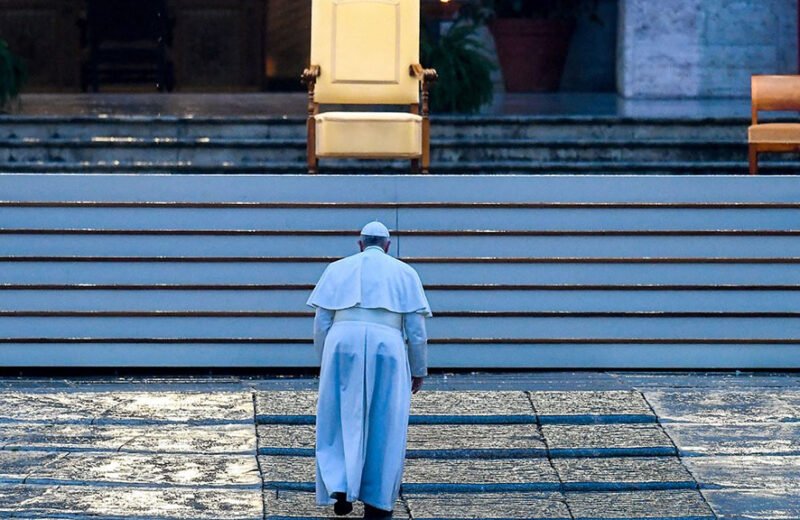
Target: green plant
x,y
465,82
13,74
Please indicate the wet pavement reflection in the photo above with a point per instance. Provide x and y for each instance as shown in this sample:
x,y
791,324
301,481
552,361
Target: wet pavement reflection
x,y
482,445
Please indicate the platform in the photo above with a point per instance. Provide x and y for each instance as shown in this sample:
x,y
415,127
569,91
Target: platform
x,y
557,446
266,133
552,271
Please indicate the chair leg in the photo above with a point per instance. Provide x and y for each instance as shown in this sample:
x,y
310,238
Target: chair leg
x,y
426,145
753,159
313,162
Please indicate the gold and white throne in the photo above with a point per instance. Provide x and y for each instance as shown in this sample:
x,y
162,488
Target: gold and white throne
x,y
366,52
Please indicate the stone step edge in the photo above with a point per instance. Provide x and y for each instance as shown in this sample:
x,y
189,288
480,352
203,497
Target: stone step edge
x,y
436,119
284,142
498,453
583,419
110,484
444,168
565,487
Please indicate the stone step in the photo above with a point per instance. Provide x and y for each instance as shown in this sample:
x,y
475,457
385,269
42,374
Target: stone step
x,y
473,127
209,152
505,475
121,231
771,165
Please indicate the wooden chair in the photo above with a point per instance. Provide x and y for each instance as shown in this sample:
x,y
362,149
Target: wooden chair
x,y
773,93
366,52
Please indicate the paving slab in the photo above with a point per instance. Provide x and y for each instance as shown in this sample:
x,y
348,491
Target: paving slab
x,y
282,503
607,440
127,407
286,437
14,497
424,440
712,439
473,438
653,505
438,475
792,398
509,506
278,404
426,407
754,504
16,466
434,475
487,406
746,472
54,406
105,469
721,407
130,503
200,407
587,407
525,380
161,438
288,472
623,473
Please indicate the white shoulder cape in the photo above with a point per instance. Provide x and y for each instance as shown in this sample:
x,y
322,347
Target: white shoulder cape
x,y
371,279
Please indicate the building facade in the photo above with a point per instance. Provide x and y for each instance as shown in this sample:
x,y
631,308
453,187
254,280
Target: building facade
x,y
640,48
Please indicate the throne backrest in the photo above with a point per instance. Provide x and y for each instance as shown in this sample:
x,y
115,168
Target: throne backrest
x,y
364,49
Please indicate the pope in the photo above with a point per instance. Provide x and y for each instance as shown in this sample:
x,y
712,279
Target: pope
x,y
370,339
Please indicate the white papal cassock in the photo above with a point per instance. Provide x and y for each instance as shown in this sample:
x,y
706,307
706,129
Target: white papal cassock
x,y
365,378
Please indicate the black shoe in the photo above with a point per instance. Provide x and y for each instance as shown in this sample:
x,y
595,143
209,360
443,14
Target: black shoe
x,y
342,506
373,513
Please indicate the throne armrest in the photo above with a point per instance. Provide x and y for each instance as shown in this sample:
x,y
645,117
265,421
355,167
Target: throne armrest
x,y
310,75
425,75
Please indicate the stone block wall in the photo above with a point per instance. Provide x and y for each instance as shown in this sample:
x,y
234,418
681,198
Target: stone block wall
x,y
703,48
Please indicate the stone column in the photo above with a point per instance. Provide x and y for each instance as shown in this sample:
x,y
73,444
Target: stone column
x,y
703,48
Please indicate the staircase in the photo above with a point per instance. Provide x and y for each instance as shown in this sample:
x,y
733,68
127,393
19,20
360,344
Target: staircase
x,y
518,145
555,271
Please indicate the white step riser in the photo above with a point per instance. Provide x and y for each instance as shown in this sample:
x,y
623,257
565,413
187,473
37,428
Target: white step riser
x,y
464,356
472,273
339,219
442,327
120,300
370,189
409,246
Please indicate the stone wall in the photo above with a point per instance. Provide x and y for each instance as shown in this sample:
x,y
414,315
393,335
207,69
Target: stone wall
x,y
703,48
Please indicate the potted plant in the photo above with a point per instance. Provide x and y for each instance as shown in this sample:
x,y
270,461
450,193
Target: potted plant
x,y
13,75
464,83
533,38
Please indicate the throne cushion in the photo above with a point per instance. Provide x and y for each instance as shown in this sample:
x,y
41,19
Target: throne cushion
x,y
368,134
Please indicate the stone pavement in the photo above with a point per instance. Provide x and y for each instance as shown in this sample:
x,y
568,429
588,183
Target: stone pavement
x,y
610,445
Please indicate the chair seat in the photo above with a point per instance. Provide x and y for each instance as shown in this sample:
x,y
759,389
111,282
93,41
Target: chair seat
x,y
368,134
774,133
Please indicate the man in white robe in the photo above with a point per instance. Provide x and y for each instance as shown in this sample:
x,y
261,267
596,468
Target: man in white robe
x,y
368,307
